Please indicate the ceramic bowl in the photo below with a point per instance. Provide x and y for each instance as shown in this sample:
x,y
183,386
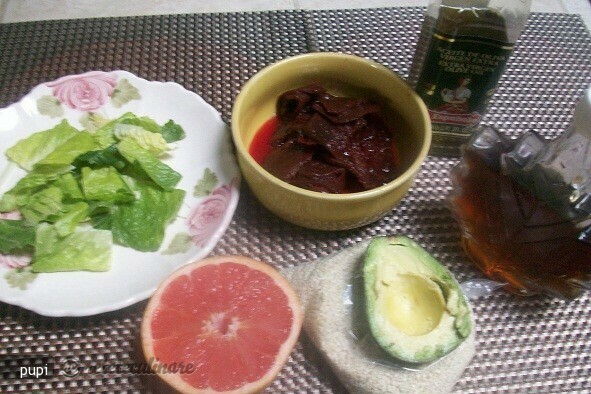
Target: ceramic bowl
x,y
342,75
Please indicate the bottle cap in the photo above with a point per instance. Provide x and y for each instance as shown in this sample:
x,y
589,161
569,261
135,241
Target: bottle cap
x,y
582,116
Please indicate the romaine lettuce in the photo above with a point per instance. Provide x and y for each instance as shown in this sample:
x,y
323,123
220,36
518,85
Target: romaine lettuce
x,y
158,171
69,186
72,215
110,178
63,156
144,122
172,132
42,205
105,184
83,250
141,224
108,157
37,146
15,235
104,136
27,186
152,142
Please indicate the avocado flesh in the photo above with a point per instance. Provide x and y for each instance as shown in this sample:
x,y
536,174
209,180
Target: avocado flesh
x,y
411,304
415,307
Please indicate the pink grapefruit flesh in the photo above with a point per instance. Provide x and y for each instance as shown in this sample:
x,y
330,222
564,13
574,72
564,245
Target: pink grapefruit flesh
x,y
230,320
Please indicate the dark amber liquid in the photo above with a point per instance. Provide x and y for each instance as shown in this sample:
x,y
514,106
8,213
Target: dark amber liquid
x,y
514,238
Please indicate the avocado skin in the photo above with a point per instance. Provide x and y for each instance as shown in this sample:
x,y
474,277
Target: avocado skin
x,y
406,257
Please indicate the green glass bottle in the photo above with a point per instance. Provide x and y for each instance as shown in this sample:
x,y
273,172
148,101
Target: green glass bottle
x,y
462,52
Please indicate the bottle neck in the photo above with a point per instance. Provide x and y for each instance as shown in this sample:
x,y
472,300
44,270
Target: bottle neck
x,y
502,20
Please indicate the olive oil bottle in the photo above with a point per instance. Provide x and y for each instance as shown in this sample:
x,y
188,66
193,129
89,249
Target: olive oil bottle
x,y
462,52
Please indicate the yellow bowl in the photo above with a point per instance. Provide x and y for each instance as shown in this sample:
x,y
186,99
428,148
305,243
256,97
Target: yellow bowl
x,y
344,75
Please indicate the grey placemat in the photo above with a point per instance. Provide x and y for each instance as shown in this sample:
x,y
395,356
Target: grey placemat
x,y
524,345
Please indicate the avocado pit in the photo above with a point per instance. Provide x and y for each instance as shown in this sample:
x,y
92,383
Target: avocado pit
x,y
412,303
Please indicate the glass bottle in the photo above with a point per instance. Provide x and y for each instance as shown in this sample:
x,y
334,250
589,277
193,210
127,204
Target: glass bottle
x,y
462,52
524,207
558,172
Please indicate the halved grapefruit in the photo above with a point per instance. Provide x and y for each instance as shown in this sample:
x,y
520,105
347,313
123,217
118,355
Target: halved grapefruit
x,y
224,324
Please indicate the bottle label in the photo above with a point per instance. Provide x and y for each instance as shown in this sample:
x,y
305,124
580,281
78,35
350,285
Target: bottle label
x,y
458,79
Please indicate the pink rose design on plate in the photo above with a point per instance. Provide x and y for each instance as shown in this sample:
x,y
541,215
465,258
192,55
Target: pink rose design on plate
x,y
85,92
205,219
14,261
14,215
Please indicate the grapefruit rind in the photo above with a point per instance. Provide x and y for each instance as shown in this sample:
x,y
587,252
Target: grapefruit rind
x,y
174,379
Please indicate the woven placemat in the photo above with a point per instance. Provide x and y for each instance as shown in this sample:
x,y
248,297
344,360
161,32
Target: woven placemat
x,y
524,345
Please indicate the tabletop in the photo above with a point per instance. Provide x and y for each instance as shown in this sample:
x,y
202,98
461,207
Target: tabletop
x,y
32,10
538,344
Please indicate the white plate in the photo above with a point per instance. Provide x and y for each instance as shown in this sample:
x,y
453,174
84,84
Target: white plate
x,y
133,275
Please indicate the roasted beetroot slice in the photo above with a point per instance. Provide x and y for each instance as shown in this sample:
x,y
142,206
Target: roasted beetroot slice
x,y
293,102
372,155
285,161
333,138
344,110
344,139
322,177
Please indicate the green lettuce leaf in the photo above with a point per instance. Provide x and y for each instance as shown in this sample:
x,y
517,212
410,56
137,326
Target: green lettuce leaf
x,y
68,220
159,172
69,187
62,157
111,176
27,186
15,236
144,122
105,184
172,132
104,136
37,146
108,157
101,214
141,224
152,142
42,205
83,250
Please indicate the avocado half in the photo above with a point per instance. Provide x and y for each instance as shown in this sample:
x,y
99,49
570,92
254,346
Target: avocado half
x,y
415,307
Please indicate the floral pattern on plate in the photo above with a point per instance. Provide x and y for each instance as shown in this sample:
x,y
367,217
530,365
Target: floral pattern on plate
x,y
86,92
205,218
